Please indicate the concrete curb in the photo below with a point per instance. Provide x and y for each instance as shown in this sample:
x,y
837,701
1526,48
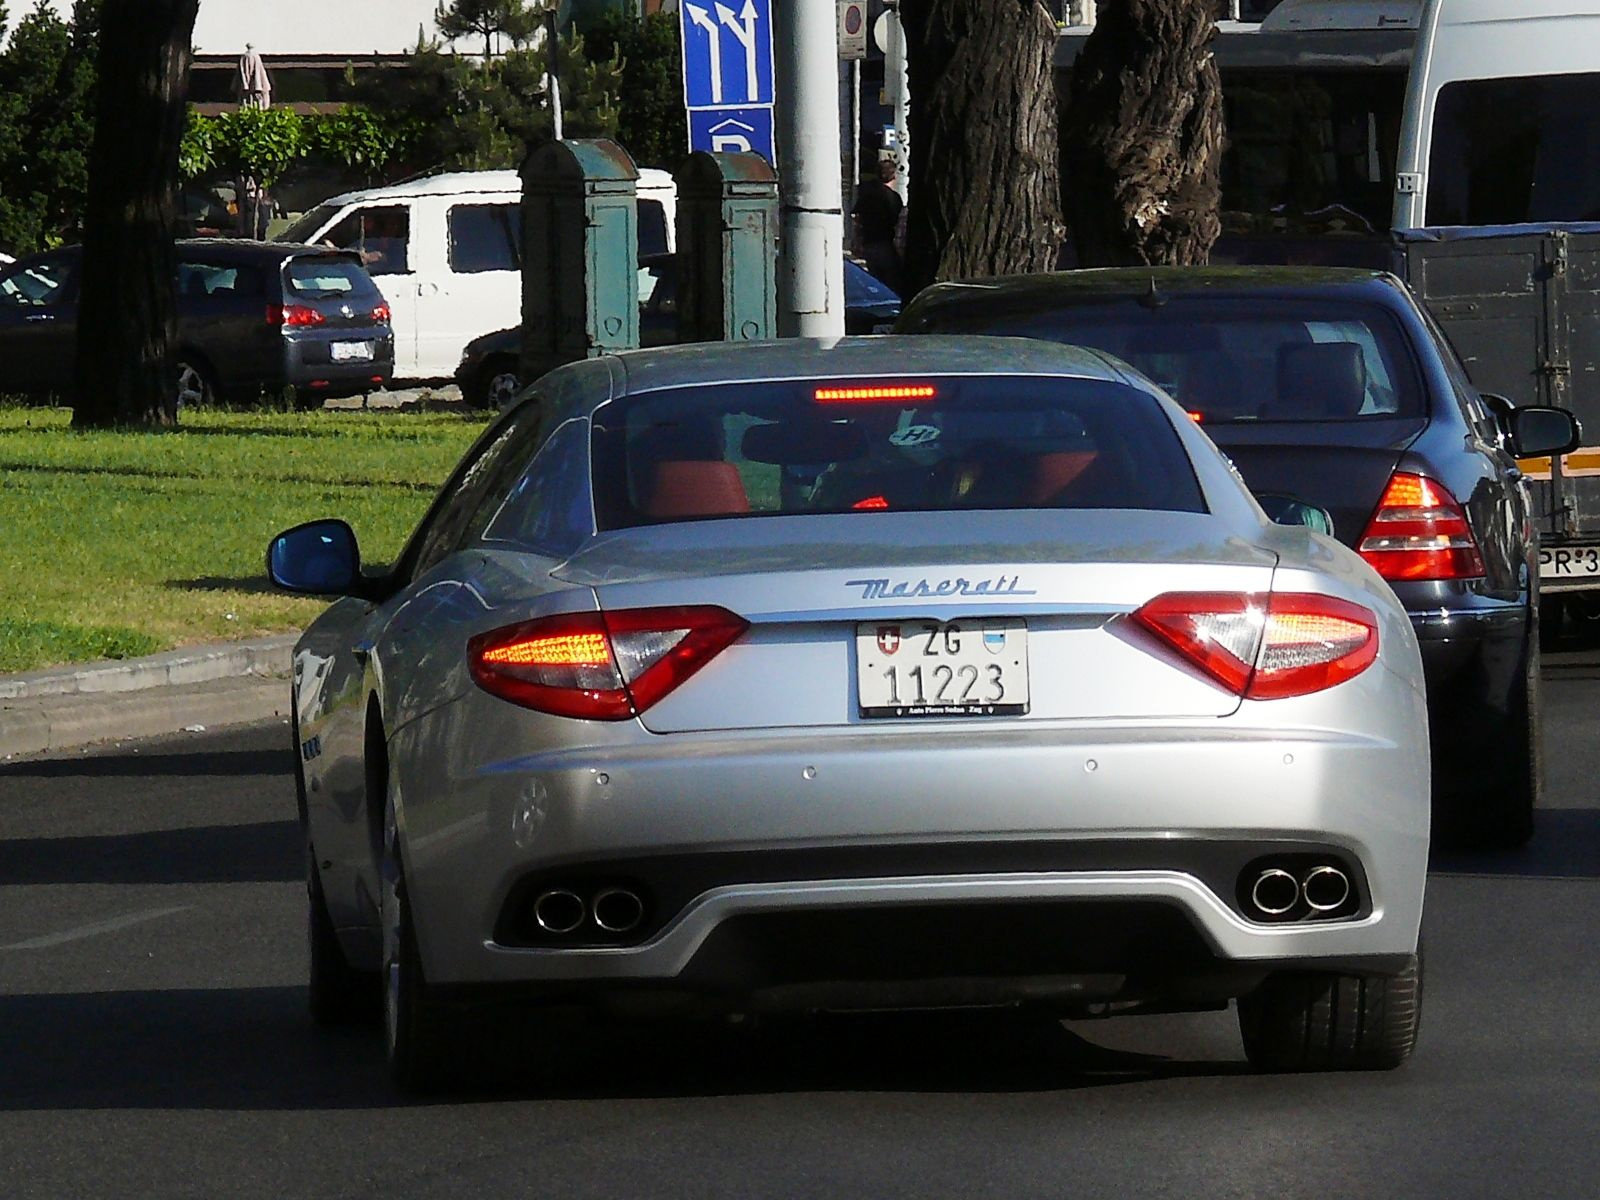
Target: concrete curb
x,y
228,684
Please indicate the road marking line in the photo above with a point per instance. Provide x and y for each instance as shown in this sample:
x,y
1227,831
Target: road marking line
x,y
95,930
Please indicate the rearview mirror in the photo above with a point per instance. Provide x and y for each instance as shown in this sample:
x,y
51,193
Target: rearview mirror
x,y
319,558
1537,430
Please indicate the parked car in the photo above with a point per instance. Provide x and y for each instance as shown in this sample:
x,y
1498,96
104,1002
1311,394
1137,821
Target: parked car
x,y
489,375
1330,388
900,672
447,252
252,317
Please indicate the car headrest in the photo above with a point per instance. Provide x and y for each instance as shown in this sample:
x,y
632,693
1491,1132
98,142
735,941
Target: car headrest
x,y
695,488
1326,379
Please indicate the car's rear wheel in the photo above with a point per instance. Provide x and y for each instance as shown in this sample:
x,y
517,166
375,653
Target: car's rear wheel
x,y
495,385
1312,1021
417,1029
193,387
1499,815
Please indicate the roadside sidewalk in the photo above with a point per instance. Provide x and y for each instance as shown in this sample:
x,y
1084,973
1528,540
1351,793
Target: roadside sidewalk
x,y
228,683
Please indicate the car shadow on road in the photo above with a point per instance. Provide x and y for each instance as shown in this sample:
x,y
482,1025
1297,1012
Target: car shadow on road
x,y
1565,845
246,1049
273,760
254,852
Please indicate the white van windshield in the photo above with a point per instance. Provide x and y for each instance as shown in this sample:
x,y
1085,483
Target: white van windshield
x,y
1508,151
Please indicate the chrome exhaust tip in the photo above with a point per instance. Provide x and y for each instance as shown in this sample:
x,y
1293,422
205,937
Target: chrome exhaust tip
x,y
558,911
1275,892
617,910
1326,888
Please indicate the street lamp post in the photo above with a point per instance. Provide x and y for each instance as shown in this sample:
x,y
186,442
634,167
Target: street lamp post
x,y
811,267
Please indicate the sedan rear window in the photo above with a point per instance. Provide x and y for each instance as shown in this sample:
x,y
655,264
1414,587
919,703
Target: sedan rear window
x,y
1229,361
922,444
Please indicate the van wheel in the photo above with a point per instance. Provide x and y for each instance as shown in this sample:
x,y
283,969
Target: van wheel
x,y
193,388
1317,1022
496,384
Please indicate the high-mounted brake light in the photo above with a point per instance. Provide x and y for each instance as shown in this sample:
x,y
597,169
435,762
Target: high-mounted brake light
x,y
871,504
293,314
600,666
1418,531
1265,647
878,393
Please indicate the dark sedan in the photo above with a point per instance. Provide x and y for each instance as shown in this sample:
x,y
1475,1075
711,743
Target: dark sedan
x,y
253,317
488,373
1341,405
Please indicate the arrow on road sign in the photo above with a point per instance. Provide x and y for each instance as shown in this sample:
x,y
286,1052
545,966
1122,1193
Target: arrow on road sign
x,y
746,37
703,19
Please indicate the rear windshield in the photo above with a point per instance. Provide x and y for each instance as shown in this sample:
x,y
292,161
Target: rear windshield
x,y
327,279
1239,361
1512,150
928,444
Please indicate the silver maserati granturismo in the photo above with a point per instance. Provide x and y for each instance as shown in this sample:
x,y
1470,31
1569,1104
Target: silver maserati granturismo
x,y
876,674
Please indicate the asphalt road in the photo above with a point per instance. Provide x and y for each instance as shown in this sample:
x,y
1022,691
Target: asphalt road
x,y
153,1041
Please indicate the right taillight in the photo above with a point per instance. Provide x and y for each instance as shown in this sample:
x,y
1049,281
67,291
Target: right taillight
x,y
600,666
1419,532
1265,647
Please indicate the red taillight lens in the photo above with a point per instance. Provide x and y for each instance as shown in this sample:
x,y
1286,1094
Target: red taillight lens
x,y
600,666
1419,532
381,314
1265,647
293,314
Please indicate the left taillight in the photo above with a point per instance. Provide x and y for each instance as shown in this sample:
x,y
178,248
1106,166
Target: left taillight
x,y
1265,647
600,666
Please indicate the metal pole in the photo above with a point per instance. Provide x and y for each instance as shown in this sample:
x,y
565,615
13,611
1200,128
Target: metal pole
x,y
897,83
855,130
552,68
811,271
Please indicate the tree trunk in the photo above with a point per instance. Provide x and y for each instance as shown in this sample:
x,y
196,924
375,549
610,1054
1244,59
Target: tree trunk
x,y
127,312
984,183
1142,136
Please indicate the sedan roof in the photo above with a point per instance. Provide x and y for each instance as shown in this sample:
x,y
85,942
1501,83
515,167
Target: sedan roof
x,y
637,371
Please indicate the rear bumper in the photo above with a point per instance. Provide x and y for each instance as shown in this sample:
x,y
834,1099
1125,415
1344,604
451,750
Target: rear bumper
x,y
900,831
308,361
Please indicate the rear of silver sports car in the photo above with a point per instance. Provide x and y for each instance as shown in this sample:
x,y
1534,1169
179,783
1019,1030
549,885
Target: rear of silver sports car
x,y
858,759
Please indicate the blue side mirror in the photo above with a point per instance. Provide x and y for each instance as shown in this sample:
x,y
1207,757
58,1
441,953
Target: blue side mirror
x,y
319,558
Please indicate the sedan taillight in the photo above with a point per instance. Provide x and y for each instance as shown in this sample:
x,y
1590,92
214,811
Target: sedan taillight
x,y
1265,647
381,314
1420,532
600,666
293,315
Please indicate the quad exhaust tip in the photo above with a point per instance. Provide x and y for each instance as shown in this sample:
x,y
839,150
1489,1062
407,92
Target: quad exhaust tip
x,y
558,910
1275,892
617,910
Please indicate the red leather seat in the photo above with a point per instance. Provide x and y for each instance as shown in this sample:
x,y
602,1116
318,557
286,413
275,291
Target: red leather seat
x,y
1054,472
687,488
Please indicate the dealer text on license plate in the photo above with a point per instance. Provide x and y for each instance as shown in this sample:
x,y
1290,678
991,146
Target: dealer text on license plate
x,y
926,668
352,351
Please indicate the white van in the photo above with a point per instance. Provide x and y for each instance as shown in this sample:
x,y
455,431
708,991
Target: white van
x,y
446,252
1502,116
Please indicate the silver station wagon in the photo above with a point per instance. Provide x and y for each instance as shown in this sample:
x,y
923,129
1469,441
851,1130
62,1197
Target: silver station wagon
x,y
886,673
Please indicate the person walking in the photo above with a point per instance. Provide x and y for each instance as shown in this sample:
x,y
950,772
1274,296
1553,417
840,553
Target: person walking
x,y
877,220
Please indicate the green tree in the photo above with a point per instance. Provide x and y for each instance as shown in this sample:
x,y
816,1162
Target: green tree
x,y
491,20
650,119
46,95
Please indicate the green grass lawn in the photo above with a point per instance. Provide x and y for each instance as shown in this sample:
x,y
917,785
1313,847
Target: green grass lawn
x,y
119,544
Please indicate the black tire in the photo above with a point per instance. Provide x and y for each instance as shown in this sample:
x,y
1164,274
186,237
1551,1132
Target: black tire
x,y
495,384
337,993
1322,1022
419,1035
192,386
1500,816
1552,621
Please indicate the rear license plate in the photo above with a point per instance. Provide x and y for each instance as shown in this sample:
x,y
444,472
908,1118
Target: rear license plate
x,y
1569,562
920,668
352,351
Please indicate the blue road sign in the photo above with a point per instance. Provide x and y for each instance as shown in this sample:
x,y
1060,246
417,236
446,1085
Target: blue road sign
x,y
727,53
747,130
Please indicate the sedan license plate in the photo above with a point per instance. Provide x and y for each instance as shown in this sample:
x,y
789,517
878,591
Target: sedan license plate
x,y
1569,562
924,668
352,351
